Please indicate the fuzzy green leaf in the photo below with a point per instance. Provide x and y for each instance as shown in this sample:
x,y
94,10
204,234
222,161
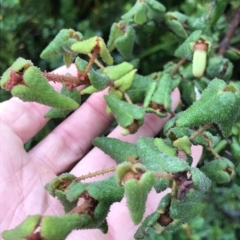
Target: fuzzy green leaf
x,y
220,170
136,193
125,82
155,10
117,71
219,67
68,205
124,112
85,46
149,155
23,230
165,147
138,88
175,20
37,89
58,113
184,144
58,228
61,44
106,190
162,95
98,80
124,44
120,151
201,182
116,31
74,190
217,103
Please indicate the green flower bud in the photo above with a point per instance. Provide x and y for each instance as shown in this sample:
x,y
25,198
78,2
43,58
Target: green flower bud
x,y
199,59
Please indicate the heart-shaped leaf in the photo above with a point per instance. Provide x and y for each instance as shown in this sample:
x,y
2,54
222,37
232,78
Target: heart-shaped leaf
x,y
38,89
217,103
124,44
125,113
220,170
136,193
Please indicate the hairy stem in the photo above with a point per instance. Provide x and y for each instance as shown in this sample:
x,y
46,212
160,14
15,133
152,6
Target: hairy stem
x,y
94,174
97,62
68,80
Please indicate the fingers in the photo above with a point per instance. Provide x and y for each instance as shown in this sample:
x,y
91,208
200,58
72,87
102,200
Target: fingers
x,y
73,137
26,118
97,160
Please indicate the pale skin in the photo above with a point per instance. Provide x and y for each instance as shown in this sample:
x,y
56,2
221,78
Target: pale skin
x,y
23,175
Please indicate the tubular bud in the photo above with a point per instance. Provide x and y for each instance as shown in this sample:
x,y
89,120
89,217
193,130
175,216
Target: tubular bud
x,y
199,58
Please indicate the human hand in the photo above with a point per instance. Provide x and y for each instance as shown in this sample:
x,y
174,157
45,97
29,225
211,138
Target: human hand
x,y
23,175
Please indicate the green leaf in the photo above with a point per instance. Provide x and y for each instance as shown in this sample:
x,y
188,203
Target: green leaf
x,y
182,211
175,20
61,44
124,44
201,182
184,144
68,205
74,190
58,113
98,80
106,190
120,151
117,30
58,228
217,103
124,112
155,10
162,95
219,67
151,221
23,230
138,88
87,46
37,89
149,155
118,71
125,82
136,193
175,133
165,147
220,170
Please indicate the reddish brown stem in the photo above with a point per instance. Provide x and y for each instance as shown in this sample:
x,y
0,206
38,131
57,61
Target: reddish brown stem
x,y
93,57
68,80
233,25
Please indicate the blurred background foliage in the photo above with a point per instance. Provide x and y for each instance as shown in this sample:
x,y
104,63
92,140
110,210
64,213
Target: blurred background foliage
x,y
28,26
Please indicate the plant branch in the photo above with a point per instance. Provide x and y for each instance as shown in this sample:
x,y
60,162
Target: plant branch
x,y
233,25
127,97
179,64
97,62
200,131
94,174
68,80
